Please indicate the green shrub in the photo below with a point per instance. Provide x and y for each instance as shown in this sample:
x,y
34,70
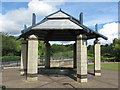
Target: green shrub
x,y
10,58
67,54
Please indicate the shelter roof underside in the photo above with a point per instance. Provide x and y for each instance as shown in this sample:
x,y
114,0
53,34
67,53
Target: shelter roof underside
x,y
59,34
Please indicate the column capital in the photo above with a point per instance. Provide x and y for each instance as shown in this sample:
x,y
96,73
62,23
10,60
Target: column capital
x,y
97,41
82,37
33,37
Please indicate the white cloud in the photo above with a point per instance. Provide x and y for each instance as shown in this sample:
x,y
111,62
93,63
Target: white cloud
x,y
40,7
90,42
12,22
109,30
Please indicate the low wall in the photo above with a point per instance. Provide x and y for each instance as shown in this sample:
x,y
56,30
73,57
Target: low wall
x,y
58,63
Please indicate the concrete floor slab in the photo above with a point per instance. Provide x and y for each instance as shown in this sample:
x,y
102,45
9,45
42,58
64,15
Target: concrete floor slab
x,y
11,79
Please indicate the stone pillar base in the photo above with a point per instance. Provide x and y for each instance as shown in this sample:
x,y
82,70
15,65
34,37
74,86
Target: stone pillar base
x,y
22,72
97,74
32,78
81,80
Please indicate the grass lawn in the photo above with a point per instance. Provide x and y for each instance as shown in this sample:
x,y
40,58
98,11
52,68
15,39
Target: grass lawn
x,y
106,66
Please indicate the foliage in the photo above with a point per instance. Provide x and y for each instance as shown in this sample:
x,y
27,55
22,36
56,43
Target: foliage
x,y
10,46
108,52
41,49
63,51
90,55
61,48
116,48
10,58
67,54
90,50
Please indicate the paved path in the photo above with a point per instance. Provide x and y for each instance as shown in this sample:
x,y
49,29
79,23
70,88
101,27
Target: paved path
x,y
11,79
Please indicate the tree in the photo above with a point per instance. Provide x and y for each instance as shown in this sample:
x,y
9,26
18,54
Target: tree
x,y
10,46
41,49
116,48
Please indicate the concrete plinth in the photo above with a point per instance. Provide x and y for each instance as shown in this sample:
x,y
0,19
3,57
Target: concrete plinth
x,y
32,67
74,56
81,58
23,57
47,57
97,61
32,77
82,80
97,74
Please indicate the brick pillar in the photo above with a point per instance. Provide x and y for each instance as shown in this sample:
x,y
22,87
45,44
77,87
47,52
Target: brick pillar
x,y
97,56
32,64
47,57
74,55
23,57
81,58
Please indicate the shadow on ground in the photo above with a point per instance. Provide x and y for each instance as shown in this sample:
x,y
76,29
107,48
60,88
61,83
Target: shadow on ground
x,y
58,71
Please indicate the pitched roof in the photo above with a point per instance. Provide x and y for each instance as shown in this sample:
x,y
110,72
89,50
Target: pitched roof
x,y
61,21
58,24
59,14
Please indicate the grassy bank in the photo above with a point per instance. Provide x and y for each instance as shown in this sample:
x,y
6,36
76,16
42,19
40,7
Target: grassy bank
x,y
9,58
107,66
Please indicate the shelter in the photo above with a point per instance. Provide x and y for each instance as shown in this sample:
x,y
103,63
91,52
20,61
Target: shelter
x,y
59,26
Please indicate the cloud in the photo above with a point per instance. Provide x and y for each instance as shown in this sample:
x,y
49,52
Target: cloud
x,y
13,21
109,30
40,7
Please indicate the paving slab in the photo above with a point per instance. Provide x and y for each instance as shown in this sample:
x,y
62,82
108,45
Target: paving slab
x,y
11,78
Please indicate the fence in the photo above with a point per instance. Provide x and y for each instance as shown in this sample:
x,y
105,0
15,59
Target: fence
x,y
41,62
11,63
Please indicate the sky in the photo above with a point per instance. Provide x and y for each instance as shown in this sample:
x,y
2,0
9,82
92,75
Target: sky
x,y
14,15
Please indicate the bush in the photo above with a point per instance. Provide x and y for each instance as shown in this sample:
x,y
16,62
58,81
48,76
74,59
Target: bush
x,y
67,54
10,58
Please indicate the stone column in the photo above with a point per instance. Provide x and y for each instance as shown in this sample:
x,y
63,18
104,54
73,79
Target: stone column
x,y
24,57
47,57
32,64
97,56
74,55
81,58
